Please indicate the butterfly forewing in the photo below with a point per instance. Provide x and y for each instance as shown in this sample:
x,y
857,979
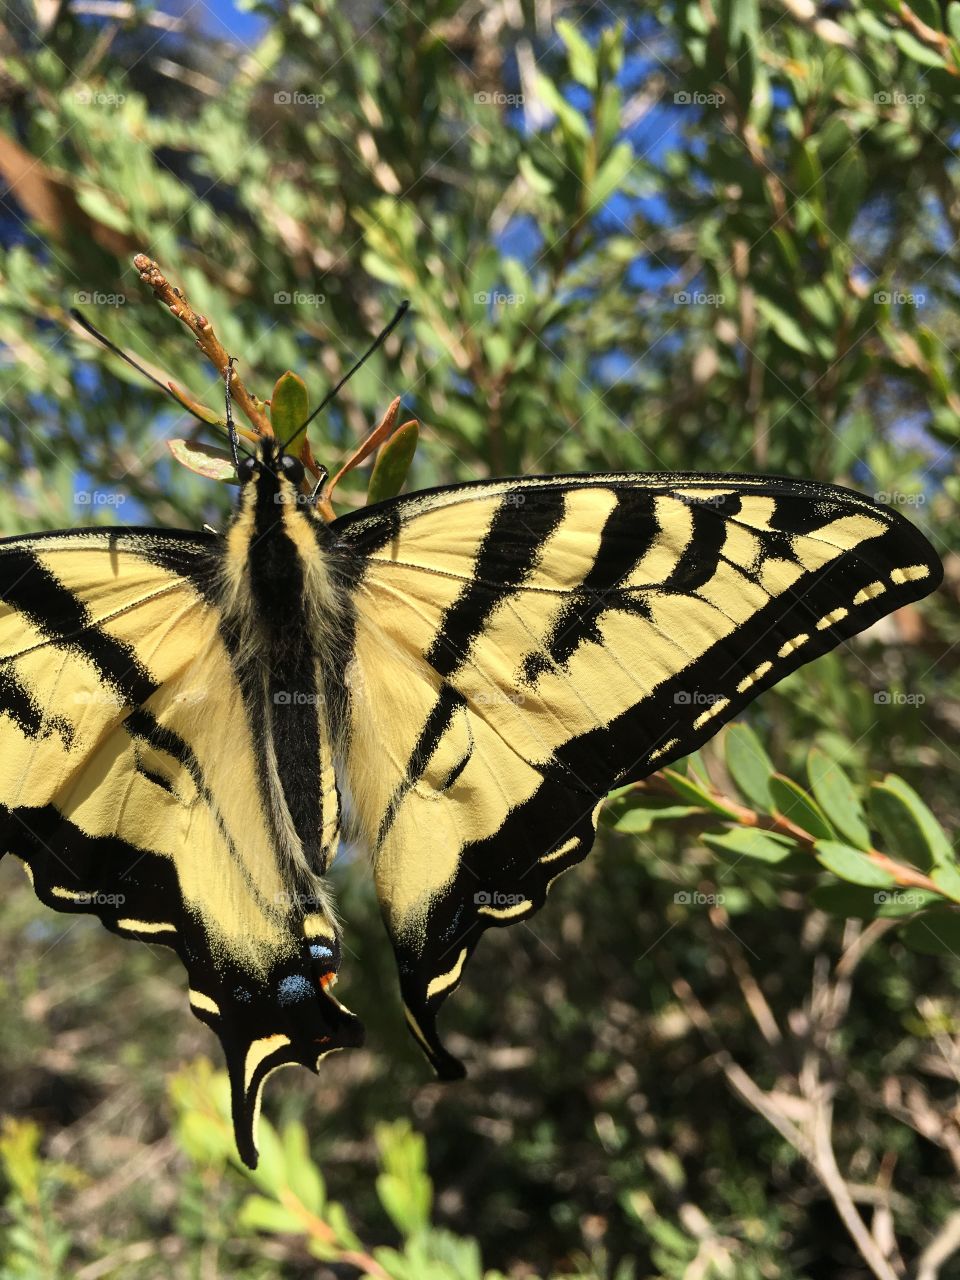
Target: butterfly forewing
x,y
524,647
131,787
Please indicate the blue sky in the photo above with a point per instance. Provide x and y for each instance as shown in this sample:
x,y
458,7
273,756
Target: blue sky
x,y
224,19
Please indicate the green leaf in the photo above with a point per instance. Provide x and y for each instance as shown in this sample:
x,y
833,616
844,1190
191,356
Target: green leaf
x,y
393,463
637,821
540,183
749,765
270,1173
204,460
947,880
303,1177
809,175
818,302
103,208
848,183
915,49
574,125
694,794
786,328
580,55
851,864
289,410
916,833
257,1213
611,174
935,933
835,795
748,842
953,18
794,803
404,1189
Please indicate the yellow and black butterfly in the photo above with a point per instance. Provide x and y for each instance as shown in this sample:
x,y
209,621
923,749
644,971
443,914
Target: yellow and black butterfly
x,y
468,670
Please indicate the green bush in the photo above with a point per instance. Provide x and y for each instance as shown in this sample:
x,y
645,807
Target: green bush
x,y
713,236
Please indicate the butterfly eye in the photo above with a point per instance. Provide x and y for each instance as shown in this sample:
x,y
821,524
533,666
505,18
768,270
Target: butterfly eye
x,y
292,469
247,469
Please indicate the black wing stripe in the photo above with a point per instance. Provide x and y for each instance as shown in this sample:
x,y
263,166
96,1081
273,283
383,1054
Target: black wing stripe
x,y
629,532
698,561
58,615
525,534
448,702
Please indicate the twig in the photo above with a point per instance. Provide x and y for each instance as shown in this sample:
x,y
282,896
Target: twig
x,y
928,34
861,944
780,824
816,1148
753,996
943,1245
829,1174
207,340
122,11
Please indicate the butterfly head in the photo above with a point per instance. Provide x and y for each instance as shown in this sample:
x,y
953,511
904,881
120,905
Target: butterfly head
x,y
275,477
271,460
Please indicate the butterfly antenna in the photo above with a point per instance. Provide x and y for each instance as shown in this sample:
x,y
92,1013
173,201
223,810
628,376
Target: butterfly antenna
x,y
117,351
228,409
381,337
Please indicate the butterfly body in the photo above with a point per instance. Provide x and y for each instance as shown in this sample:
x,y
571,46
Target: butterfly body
x,y
473,668
285,618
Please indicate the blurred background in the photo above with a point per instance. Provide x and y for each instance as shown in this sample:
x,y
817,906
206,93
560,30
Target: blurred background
x,y
718,235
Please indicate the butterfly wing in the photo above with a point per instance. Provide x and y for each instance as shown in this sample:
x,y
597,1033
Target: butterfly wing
x,y
523,647
130,788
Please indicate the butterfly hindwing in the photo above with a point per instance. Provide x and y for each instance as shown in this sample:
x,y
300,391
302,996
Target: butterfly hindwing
x,y
130,788
523,647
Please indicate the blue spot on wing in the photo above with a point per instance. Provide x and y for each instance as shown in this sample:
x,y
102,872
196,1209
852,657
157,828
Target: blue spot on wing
x,y
295,988
320,952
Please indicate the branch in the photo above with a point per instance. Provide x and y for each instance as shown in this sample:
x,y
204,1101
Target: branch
x,y
207,340
943,1245
779,824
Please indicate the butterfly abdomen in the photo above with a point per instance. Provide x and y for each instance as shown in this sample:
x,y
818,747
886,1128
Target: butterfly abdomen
x,y
283,609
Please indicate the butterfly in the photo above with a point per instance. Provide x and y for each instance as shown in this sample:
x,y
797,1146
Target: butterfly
x,y
467,671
